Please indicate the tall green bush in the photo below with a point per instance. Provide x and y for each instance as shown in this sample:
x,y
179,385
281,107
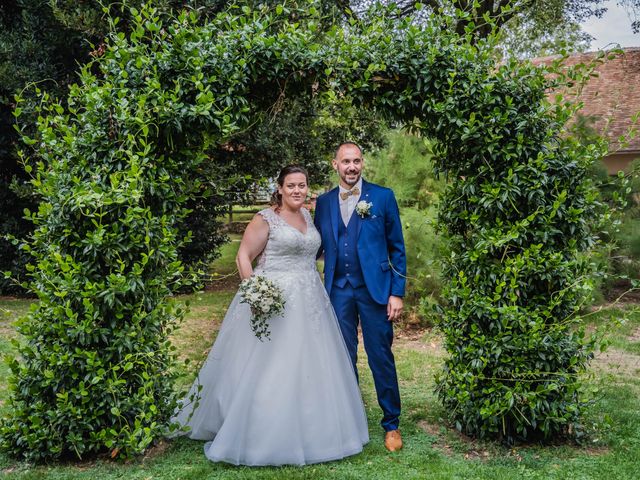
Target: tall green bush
x,y
519,221
95,369
120,163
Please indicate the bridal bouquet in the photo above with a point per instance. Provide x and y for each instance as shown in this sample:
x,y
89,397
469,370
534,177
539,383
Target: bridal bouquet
x,y
265,299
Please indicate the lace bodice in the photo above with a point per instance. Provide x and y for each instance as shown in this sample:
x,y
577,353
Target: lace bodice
x,y
288,249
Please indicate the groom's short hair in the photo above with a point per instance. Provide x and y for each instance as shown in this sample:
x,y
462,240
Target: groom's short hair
x,y
347,142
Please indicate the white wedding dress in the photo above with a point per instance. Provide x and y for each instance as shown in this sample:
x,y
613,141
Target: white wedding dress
x,y
293,399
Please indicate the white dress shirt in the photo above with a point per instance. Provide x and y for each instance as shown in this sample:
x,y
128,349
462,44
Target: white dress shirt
x,y
348,206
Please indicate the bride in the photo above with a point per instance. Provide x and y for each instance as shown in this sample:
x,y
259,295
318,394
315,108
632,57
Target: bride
x,y
293,399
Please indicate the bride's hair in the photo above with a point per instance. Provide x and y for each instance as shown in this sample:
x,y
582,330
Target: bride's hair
x,y
276,198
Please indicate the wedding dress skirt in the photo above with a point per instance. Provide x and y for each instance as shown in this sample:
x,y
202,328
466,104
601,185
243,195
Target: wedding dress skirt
x,y
293,399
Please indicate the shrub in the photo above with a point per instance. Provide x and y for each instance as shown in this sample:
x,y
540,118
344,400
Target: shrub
x,y
625,256
424,256
520,220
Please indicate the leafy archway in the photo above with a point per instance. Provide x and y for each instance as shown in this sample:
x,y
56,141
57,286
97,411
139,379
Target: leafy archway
x,y
117,166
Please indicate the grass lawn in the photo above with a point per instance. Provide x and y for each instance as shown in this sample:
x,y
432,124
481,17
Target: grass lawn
x,y
432,450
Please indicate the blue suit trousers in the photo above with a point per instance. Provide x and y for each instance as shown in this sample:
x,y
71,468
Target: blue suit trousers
x,y
353,306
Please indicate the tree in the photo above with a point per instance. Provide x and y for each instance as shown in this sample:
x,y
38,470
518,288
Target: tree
x,y
545,22
33,47
526,37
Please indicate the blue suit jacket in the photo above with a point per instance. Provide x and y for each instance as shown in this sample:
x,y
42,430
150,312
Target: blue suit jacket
x,y
380,241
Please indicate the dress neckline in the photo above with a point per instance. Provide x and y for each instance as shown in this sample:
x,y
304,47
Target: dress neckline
x,y
304,234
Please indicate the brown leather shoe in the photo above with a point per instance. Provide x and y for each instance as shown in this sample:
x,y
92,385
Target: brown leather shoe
x,y
393,440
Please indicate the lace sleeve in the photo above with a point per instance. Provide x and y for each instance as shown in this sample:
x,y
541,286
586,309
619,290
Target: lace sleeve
x,y
270,217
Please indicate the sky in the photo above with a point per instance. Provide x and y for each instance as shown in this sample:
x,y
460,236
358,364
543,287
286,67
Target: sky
x,y
613,27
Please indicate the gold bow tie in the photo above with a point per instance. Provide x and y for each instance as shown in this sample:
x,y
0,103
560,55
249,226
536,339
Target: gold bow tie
x,y
348,193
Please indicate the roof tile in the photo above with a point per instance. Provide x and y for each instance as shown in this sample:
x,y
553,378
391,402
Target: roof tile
x,y
612,97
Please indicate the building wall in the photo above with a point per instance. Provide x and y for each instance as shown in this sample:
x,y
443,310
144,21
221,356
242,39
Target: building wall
x,y
619,161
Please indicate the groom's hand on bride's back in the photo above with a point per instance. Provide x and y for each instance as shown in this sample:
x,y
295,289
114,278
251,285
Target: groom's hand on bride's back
x,y
394,308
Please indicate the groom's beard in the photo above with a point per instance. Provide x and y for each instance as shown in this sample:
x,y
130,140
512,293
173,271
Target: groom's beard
x,y
351,183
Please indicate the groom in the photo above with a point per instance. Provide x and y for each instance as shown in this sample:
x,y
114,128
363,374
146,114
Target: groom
x,y
364,273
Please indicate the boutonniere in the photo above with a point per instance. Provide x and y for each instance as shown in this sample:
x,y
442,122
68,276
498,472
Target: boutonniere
x,y
363,208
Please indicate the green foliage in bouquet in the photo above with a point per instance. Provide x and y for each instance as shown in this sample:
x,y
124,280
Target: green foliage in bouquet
x,y
116,168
